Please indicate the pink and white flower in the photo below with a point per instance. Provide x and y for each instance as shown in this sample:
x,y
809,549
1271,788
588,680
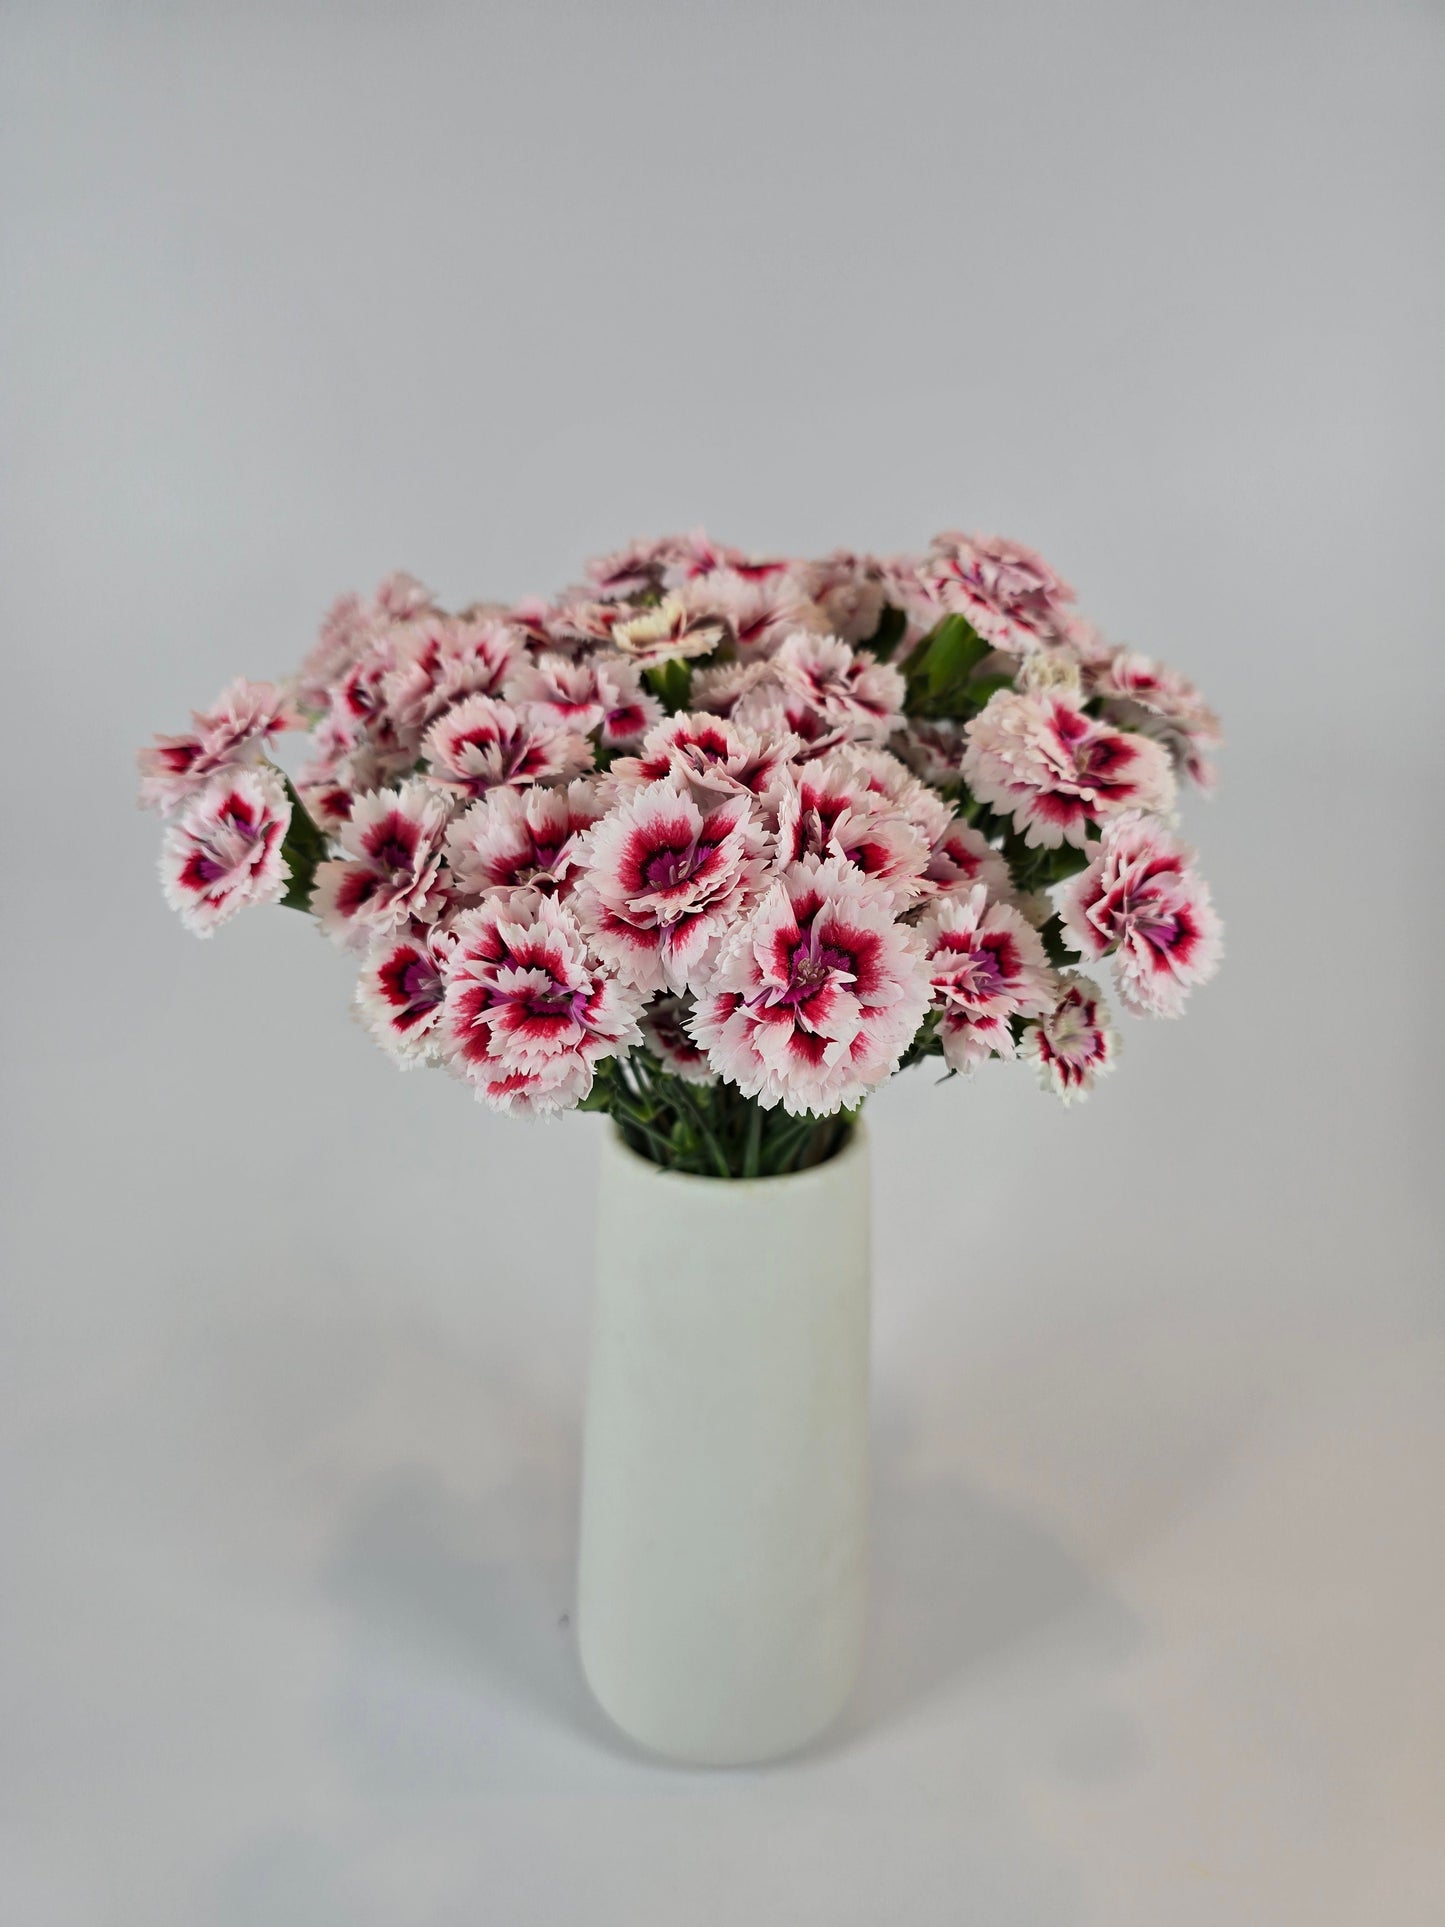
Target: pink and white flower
x,y
577,626
437,661
346,629
987,966
851,592
696,554
587,693
1142,902
665,1032
225,851
957,853
628,711
706,754
665,880
231,734
817,995
483,744
760,611
671,632
892,780
400,990
828,807
564,686
513,838
791,869
1009,594
400,596
352,627
391,868
634,570
1145,696
846,689
1076,1043
932,750
1058,771
330,785
960,855
528,1014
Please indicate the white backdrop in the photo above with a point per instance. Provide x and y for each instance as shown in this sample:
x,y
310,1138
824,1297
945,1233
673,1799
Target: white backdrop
x,y
292,1347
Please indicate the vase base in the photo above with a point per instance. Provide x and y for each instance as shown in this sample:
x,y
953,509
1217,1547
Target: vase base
x,y
703,1742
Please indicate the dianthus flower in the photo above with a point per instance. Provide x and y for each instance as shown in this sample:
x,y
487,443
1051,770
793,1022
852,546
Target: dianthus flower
x,y
1058,771
225,851
1142,902
986,966
818,993
528,1013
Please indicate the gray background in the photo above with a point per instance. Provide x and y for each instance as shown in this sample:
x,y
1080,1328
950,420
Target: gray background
x,y
293,1347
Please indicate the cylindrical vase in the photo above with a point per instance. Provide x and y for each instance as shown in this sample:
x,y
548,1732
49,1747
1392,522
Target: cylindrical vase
x,y
723,1561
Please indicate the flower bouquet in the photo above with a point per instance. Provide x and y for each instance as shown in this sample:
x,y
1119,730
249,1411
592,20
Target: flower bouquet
x,y
716,845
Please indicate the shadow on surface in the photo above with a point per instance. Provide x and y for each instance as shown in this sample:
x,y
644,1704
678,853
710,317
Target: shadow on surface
x,y
481,1585
452,1589
961,1582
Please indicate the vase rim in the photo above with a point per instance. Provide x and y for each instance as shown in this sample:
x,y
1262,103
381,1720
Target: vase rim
x,y
855,1148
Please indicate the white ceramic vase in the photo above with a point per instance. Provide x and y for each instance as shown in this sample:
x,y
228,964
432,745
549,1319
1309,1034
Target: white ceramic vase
x,y
722,1571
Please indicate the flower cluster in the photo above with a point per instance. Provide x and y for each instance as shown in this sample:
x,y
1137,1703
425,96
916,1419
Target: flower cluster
x,y
718,843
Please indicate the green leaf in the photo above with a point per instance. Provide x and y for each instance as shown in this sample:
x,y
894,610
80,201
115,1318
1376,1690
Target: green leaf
x,y
982,688
1066,861
1055,948
940,667
671,683
890,632
304,847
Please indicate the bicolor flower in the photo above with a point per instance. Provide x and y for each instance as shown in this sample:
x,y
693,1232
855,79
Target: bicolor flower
x,y
512,838
232,733
960,856
828,807
1141,902
846,688
631,571
1058,771
224,853
601,692
1008,593
528,1013
817,995
670,632
665,1032
439,660
987,966
1145,696
330,785
483,744
400,990
760,611
390,871
665,879
707,755
1076,1043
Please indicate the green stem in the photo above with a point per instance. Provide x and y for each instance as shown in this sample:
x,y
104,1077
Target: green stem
x,y
787,1144
625,1114
754,1143
682,1100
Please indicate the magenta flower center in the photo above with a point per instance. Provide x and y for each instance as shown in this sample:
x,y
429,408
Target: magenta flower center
x,y
559,1001
394,854
666,869
811,966
420,984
